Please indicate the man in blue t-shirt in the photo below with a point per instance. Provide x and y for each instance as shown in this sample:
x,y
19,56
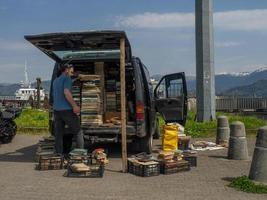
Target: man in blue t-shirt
x,y
66,111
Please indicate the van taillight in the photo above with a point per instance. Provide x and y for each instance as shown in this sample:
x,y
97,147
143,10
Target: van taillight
x,y
140,111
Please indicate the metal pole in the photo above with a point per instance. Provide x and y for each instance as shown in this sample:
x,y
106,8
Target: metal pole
x,y
38,80
205,88
123,107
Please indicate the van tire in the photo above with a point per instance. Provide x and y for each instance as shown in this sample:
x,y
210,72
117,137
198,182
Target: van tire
x,y
146,144
157,131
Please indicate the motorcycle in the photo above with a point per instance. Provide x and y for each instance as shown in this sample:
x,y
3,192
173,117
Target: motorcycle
x,y
8,127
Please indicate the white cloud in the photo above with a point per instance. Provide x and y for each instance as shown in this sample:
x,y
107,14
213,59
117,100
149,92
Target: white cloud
x,y
227,44
157,20
236,20
242,20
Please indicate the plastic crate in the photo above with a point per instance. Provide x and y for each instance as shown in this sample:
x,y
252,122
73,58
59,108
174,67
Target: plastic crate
x,y
192,160
144,170
96,171
179,166
50,162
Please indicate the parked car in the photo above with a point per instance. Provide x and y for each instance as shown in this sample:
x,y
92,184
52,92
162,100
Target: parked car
x,y
84,50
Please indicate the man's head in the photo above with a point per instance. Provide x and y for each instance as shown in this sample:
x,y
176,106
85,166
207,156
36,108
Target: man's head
x,y
67,69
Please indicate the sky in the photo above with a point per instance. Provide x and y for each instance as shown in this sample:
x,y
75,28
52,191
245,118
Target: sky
x,y
161,33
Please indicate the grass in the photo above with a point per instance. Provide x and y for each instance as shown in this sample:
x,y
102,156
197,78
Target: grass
x,y
32,121
243,183
208,129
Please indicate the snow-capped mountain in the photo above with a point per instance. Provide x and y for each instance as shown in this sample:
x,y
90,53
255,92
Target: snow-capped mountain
x,y
258,89
227,81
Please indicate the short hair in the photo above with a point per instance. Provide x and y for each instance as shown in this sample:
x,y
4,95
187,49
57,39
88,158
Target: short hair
x,y
63,67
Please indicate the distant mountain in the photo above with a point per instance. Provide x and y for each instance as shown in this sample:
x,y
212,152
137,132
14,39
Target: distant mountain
x,y
8,89
227,81
259,89
225,84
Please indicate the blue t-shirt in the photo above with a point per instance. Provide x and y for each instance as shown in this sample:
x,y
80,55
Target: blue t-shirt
x,y
60,102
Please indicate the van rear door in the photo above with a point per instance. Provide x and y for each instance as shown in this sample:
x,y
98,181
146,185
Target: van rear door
x,y
96,45
171,98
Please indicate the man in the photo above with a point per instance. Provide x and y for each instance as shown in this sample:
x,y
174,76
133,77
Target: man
x,y
66,111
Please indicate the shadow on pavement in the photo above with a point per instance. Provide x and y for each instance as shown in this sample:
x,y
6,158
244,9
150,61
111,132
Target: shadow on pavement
x,y
25,154
218,156
228,179
112,150
114,170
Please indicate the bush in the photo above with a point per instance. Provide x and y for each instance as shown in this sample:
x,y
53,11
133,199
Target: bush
x,y
208,129
32,120
243,183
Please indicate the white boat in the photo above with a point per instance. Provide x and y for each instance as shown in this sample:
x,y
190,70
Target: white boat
x,y
26,91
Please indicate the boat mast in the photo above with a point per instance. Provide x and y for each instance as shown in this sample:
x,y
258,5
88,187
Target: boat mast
x,y
26,83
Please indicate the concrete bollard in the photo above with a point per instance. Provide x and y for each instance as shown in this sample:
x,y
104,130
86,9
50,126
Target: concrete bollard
x,y
258,169
238,149
223,131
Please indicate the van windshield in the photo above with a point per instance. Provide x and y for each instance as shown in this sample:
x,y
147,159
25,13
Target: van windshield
x,y
88,55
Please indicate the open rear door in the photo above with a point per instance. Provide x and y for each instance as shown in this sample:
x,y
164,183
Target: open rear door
x,y
63,47
171,98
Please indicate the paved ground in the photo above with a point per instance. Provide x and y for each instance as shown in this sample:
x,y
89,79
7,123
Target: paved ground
x,y
19,180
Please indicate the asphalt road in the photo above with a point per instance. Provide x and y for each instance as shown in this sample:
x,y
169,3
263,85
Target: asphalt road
x,y
19,180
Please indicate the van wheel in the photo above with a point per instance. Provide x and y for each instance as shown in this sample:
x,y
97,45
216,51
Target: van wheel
x,y
157,131
146,144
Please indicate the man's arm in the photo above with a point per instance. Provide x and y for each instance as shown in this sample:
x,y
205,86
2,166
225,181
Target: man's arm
x,y
70,99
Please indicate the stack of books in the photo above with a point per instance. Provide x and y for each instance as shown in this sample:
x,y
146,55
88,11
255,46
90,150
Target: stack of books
x,y
111,101
113,95
91,106
166,156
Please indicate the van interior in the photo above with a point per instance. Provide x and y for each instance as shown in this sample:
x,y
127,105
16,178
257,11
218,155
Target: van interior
x,y
96,89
